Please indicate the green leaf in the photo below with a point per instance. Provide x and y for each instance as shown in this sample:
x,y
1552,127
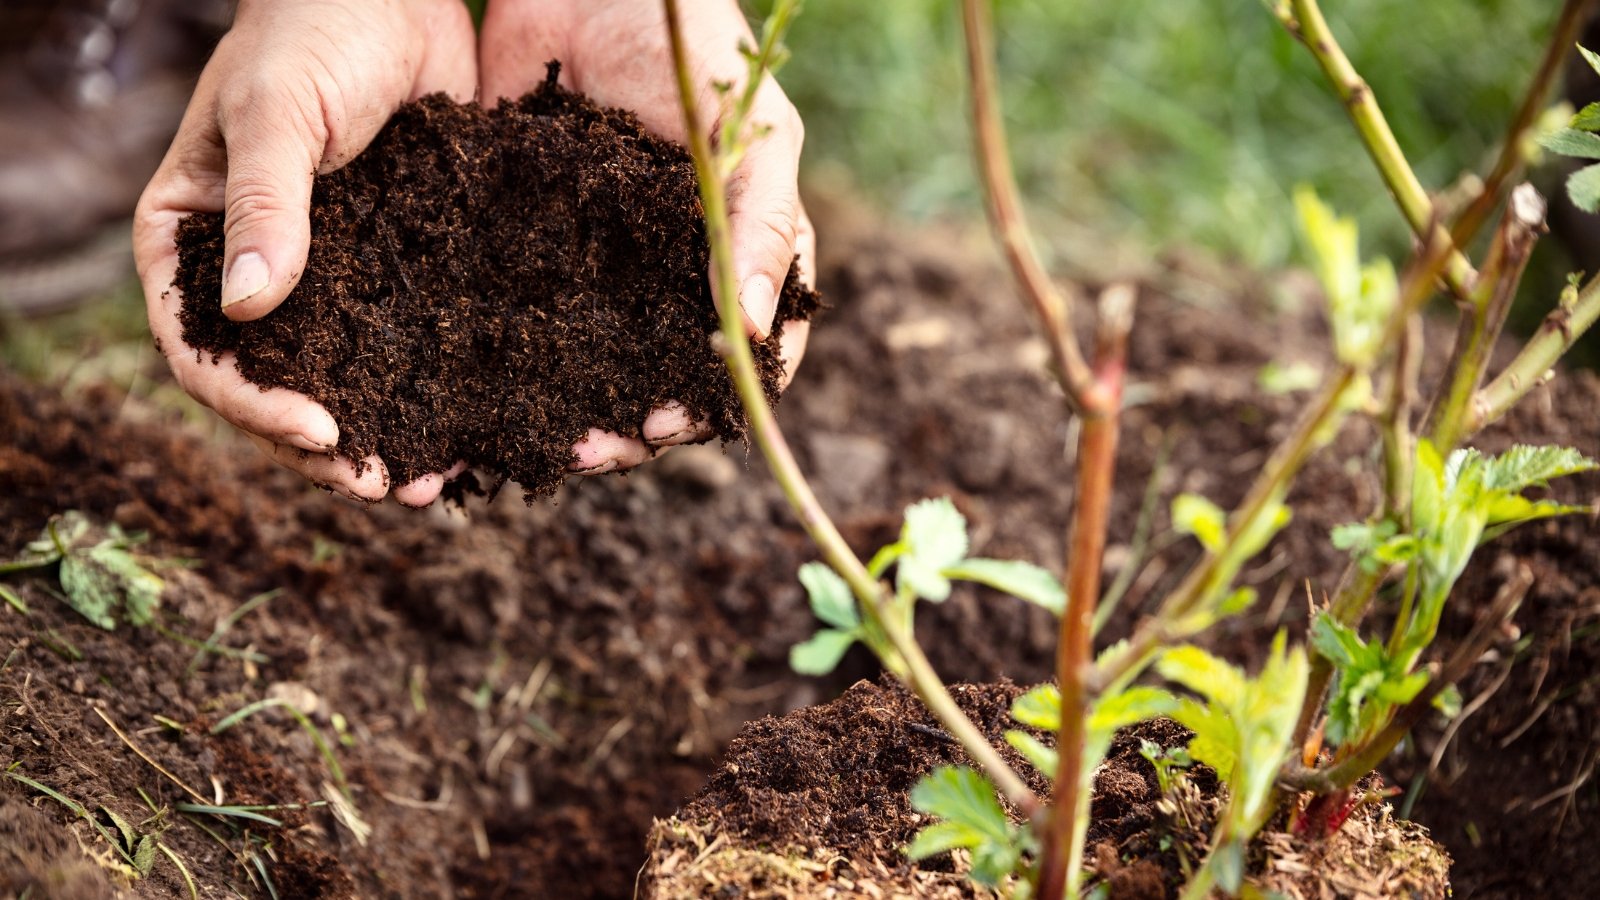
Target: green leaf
x,y
973,819
1590,57
1237,601
820,654
921,579
1337,642
1572,142
1448,702
129,835
1194,514
1035,752
941,837
1588,118
144,855
935,532
1127,707
1040,708
90,590
1288,378
140,588
1202,673
830,596
1583,187
1227,861
1019,579
1525,466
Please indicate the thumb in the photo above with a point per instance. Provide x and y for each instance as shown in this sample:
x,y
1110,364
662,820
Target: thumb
x,y
273,152
764,212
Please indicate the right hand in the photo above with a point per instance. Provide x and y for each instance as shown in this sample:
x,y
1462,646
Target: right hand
x,y
296,88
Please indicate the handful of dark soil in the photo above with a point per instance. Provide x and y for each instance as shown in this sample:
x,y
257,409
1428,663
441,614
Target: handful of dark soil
x,y
488,284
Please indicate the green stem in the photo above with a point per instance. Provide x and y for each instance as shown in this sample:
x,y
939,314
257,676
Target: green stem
x,y
764,430
1574,13
1270,485
1561,329
1308,25
1485,316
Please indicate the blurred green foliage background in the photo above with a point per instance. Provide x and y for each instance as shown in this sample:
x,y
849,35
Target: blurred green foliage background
x,y
1148,123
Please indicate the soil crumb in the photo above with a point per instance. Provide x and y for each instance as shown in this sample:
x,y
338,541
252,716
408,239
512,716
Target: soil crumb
x,y
486,285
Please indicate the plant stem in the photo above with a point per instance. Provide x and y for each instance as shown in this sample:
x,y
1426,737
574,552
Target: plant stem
x,y
1561,329
764,430
1062,865
1398,442
1485,315
1270,485
1010,224
1567,28
1308,25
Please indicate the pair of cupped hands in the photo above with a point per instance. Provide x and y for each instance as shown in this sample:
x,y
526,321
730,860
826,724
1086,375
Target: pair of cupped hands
x,y
300,87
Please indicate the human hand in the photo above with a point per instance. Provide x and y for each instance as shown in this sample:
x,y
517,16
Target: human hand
x,y
296,88
616,52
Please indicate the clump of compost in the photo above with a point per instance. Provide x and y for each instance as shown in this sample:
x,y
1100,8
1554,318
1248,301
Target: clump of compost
x,y
486,285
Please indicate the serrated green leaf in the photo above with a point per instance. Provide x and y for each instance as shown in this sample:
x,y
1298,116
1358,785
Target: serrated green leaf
x,y
830,597
1525,466
1040,707
144,855
959,794
820,654
973,818
1035,752
935,532
1019,579
1336,642
921,579
942,837
1195,515
1588,118
1202,673
90,590
1128,707
1572,142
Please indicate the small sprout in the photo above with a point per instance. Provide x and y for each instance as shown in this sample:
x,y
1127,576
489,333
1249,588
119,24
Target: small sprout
x,y
971,818
98,573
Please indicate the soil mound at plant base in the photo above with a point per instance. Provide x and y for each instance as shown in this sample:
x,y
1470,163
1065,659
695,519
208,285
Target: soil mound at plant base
x,y
815,804
487,285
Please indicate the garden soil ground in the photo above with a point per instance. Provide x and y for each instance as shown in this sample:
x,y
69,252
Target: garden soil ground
x,y
522,689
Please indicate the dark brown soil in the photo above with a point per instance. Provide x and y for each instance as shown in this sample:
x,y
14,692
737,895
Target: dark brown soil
x,y
487,285
534,684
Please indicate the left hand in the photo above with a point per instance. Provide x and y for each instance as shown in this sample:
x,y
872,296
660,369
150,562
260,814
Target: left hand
x,y
617,52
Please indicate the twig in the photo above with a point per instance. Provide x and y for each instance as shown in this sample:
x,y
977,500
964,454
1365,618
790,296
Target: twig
x,y
137,751
1097,456
1311,29
1574,13
1008,221
1484,315
918,673
1573,316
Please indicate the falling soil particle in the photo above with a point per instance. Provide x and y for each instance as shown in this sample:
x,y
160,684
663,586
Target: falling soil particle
x,y
486,285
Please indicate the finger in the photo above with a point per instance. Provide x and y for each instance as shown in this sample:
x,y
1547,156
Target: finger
x,y
336,473
282,416
792,348
423,491
673,424
805,247
606,451
764,209
449,60
275,144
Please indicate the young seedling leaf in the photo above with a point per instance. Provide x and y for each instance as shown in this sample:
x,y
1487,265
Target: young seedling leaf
x,y
935,538
1019,579
820,654
972,819
1195,515
1035,752
1572,142
1039,708
144,855
90,590
830,596
1525,466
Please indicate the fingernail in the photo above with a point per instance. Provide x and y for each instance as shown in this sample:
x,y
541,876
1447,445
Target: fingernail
x,y
759,300
306,444
246,277
600,469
